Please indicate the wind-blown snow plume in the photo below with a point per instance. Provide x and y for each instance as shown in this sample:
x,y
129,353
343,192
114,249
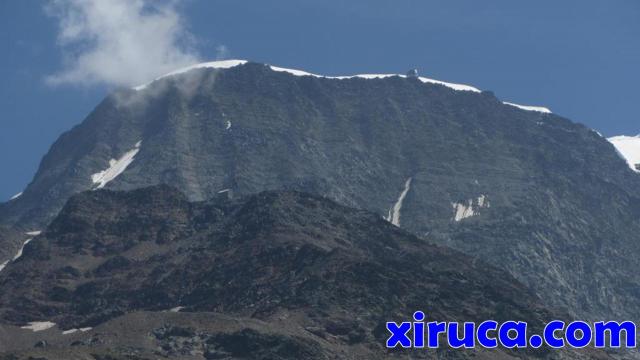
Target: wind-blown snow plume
x,y
119,42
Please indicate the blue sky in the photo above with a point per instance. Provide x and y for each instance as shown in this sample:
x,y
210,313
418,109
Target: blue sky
x,y
581,58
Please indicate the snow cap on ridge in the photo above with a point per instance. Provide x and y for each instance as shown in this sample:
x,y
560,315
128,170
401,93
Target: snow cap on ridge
x,y
227,64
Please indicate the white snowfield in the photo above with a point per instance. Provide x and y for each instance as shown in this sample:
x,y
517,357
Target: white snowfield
x,y
529,108
39,326
34,233
116,167
629,149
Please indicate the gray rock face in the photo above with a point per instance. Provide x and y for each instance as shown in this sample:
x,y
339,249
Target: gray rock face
x,y
548,200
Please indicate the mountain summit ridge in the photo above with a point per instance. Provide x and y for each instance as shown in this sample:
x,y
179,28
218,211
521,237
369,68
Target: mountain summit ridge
x,y
226,64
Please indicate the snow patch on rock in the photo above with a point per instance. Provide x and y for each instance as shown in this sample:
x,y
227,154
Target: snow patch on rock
x,y
629,149
454,86
457,87
481,200
71,331
394,213
529,108
116,167
463,211
469,208
36,326
224,64
15,196
19,254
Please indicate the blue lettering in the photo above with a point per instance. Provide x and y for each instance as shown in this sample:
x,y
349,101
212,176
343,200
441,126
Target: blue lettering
x,y
520,338
418,329
615,333
483,334
435,328
398,334
585,331
549,334
468,338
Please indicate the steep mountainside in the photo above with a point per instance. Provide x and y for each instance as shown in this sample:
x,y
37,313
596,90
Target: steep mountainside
x,y
546,199
278,275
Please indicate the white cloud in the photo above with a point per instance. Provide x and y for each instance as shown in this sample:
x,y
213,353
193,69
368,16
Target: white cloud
x,y
119,42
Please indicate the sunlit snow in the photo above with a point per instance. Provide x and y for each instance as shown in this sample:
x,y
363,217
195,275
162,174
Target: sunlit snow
x,y
468,209
19,254
629,149
16,196
224,64
481,199
116,167
71,331
39,326
463,211
529,108
394,212
459,87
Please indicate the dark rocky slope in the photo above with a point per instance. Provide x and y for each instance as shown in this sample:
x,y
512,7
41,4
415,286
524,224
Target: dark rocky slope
x,y
551,200
278,275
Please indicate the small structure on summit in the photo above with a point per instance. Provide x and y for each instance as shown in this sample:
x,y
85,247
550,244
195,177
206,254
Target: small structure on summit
x,y
413,73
